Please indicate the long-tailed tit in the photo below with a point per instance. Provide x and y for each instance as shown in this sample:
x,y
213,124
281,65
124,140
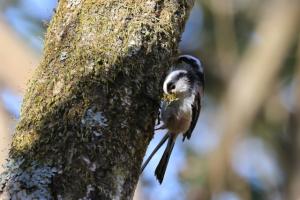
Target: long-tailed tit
x,y
183,90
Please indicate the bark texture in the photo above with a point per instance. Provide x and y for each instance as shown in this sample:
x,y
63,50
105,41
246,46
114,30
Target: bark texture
x,y
89,111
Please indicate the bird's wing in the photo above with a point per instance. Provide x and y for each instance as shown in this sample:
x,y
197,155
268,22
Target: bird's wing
x,y
196,108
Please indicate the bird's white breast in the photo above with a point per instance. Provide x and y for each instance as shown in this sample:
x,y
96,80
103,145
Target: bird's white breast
x,y
177,115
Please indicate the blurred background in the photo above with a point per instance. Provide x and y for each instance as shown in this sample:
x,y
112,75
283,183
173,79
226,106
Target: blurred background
x,y
246,144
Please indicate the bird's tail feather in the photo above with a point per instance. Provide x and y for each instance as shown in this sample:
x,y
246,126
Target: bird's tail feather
x,y
163,163
163,140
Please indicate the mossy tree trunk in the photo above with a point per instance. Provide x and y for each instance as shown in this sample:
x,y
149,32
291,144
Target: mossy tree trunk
x,y
89,112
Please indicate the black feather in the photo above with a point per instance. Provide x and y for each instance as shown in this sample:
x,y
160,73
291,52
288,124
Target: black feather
x,y
163,140
163,163
196,108
189,61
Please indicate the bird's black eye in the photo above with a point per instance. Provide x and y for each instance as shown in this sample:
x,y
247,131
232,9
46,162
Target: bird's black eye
x,y
170,86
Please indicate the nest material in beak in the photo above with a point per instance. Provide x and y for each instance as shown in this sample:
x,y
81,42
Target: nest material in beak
x,y
170,98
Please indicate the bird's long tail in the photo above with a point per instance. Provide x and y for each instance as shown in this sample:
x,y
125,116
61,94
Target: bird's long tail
x,y
163,140
163,163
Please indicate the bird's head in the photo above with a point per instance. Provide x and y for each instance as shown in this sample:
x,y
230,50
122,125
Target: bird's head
x,y
181,80
177,84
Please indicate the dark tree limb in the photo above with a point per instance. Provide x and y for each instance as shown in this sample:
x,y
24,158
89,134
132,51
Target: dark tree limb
x,y
88,114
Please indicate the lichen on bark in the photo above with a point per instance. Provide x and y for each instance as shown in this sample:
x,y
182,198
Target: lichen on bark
x,y
90,108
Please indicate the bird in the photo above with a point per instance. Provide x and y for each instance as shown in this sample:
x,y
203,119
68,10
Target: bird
x,y
183,89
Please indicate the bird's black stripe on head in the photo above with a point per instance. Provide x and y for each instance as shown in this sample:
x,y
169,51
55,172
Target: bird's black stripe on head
x,y
188,75
180,75
196,65
190,62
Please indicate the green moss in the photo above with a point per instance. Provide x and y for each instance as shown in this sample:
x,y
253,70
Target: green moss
x,y
24,142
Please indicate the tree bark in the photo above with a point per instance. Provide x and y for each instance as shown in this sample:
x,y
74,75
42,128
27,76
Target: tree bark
x,y
89,112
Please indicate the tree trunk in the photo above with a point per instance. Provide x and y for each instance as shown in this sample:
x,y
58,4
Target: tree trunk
x,y
89,112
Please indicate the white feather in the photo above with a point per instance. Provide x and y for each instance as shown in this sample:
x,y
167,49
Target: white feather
x,y
170,77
